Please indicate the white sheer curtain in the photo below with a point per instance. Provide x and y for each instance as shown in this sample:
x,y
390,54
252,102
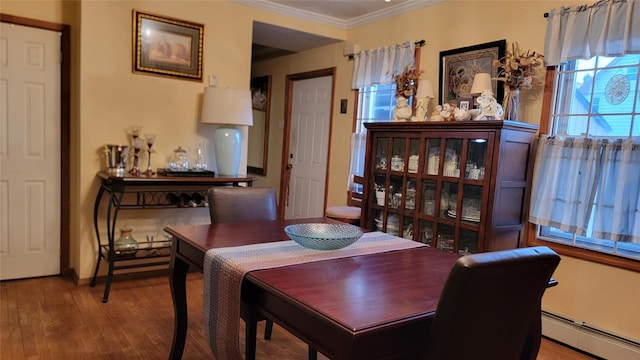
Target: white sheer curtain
x,y
608,27
379,66
358,148
564,183
617,205
574,177
375,67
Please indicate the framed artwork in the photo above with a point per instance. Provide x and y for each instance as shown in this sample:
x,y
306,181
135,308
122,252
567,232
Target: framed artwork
x,y
258,148
465,103
260,92
167,47
459,66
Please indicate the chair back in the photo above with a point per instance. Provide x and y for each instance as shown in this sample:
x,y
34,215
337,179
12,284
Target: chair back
x,y
235,204
355,198
489,304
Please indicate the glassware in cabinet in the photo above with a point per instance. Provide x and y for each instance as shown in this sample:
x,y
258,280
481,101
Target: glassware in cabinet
x,y
445,238
476,159
426,232
382,148
453,154
414,156
395,192
468,243
432,156
428,197
398,157
471,204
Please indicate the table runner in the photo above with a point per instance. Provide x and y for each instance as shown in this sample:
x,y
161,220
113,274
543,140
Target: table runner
x,y
224,269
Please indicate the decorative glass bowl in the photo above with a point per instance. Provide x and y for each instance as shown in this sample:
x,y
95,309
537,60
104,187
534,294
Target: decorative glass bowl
x,y
324,236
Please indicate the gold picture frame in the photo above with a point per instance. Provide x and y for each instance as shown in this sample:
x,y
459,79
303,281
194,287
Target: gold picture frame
x,y
458,67
167,47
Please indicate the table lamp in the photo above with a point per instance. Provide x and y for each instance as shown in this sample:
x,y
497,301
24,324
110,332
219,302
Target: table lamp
x,y
227,108
488,107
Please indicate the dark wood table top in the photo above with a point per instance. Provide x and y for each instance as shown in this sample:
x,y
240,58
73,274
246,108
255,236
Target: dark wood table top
x,y
366,291
351,308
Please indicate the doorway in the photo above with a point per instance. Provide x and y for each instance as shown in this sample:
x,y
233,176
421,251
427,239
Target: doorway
x,y
307,133
35,152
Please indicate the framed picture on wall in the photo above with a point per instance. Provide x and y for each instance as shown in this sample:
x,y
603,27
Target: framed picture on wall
x,y
166,46
458,67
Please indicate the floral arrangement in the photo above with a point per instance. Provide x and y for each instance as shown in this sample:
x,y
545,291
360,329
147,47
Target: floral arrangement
x,y
406,82
517,69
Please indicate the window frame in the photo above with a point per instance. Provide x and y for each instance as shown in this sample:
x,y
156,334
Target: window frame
x,y
532,232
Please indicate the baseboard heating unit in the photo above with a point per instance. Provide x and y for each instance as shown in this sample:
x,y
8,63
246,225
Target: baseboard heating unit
x,y
589,339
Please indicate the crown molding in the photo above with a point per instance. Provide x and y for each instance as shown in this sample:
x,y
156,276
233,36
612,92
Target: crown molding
x,y
401,8
381,14
293,12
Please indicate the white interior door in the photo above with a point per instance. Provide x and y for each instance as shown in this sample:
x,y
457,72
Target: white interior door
x,y
309,147
29,152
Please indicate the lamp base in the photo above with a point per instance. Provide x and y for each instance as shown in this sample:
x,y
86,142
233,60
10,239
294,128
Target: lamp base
x,y
228,146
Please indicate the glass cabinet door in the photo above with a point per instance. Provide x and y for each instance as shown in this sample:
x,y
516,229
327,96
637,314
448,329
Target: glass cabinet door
x,y
476,159
432,159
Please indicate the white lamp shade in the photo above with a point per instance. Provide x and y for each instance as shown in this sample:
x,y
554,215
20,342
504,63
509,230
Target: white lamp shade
x,y
425,89
481,82
226,106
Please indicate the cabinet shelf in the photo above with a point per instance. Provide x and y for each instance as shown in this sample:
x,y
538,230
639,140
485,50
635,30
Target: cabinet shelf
x,y
466,183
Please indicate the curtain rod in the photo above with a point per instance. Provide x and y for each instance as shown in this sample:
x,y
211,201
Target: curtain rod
x,y
417,43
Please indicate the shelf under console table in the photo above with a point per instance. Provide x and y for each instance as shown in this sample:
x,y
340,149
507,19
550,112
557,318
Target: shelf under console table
x,y
146,192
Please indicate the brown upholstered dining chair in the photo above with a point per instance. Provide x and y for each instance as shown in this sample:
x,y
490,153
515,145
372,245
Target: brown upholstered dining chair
x,y
235,204
490,306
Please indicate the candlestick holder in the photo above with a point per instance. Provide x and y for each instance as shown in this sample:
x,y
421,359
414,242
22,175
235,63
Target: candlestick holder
x,y
137,143
150,139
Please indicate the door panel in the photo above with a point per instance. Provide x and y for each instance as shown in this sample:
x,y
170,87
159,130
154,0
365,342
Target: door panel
x,y
309,146
30,152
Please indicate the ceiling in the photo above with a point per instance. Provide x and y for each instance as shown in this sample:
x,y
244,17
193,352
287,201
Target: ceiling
x,y
271,41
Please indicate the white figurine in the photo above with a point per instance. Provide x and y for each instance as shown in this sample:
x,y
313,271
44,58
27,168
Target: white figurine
x,y
461,114
402,111
489,107
435,115
421,109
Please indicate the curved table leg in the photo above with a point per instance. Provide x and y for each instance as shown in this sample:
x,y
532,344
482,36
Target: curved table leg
x,y
96,208
177,280
115,199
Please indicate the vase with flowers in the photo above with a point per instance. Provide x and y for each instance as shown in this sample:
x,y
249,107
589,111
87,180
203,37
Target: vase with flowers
x,y
517,70
407,82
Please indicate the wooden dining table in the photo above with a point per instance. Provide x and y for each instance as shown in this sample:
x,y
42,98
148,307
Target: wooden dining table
x,y
361,307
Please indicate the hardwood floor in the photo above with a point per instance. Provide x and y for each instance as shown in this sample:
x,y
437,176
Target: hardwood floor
x,y
52,318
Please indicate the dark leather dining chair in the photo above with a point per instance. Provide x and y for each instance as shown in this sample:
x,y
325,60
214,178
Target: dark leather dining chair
x,y
235,204
490,306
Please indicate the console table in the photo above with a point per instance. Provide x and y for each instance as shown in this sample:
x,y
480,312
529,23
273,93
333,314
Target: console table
x,y
147,192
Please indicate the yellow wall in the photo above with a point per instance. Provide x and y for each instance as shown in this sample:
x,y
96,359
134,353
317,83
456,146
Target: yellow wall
x,y
108,98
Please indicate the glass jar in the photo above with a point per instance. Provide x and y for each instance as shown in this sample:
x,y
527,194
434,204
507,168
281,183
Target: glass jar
x,y
126,244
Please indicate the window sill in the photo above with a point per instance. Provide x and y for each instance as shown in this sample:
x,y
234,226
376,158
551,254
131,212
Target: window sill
x,y
584,254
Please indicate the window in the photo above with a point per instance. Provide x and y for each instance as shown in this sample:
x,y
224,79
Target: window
x,y
375,104
596,99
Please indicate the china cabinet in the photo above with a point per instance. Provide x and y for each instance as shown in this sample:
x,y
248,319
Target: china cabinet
x,y
460,186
